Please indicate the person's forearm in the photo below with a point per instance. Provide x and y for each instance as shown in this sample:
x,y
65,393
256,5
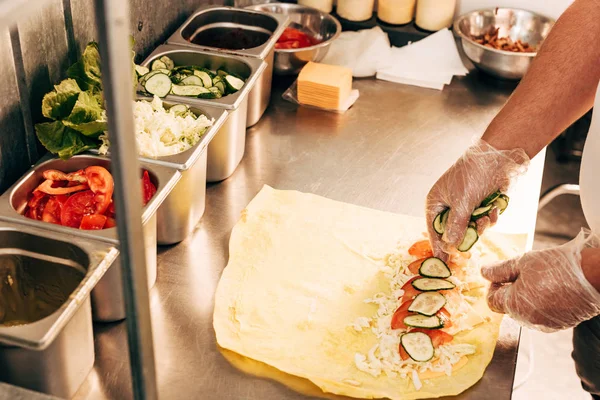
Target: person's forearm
x,y
559,86
590,264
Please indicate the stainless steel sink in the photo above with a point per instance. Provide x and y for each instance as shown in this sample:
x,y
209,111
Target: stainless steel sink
x,y
46,338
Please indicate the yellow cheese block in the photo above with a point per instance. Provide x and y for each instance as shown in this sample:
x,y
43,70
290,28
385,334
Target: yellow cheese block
x,y
322,85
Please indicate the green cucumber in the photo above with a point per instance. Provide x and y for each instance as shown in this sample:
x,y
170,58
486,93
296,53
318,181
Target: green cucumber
x,y
434,268
481,212
422,321
206,78
428,303
233,84
188,90
179,109
490,199
158,84
501,203
192,80
141,70
168,62
471,237
157,64
418,346
432,284
439,223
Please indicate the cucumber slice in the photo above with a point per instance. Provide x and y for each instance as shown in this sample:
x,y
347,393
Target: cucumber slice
x,y
434,268
187,90
428,303
439,223
221,87
432,284
168,62
216,92
158,84
192,80
152,73
157,64
471,237
216,80
233,84
481,212
490,199
141,70
418,346
206,79
501,202
222,73
422,321
179,109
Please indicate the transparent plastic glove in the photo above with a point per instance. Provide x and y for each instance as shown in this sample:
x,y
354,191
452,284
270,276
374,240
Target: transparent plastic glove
x,y
545,290
480,171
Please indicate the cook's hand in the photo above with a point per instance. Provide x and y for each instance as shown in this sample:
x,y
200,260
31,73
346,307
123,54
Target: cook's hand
x,y
481,171
547,289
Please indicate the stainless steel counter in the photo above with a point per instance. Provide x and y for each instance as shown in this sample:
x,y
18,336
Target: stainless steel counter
x,y
384,153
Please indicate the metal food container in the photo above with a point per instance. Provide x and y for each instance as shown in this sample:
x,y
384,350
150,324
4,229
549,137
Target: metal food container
x,y
226,149
107,297
220,28
184,206
52,354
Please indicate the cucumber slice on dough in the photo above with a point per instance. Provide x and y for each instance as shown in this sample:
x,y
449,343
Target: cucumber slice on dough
x,y
192,80
433,267
490,199
179,109
233,84
168,62
501,203
439,223
471,237
158,84
206,79
432,284
428,303
187,90
418,346
157,64
422,321
141,70
481,212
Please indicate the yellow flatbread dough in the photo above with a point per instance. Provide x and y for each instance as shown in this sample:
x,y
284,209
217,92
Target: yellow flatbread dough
x,y
300,267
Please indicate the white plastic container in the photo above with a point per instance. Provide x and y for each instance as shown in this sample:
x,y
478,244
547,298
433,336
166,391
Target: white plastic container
x,y
322,5
396,12
355,10
433,15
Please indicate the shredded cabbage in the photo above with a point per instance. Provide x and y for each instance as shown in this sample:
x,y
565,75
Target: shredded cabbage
x,y
159,132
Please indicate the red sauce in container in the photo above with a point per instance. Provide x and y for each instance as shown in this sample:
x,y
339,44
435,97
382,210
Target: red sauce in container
x,y
295,39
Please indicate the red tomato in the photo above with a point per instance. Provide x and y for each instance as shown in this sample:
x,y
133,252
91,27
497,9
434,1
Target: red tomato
x,y
438,337
445,317
53,208
92,222
110,211
76,207
414,266
409,291
295,39
421,249
148,188
102,184
403,354
36,205
110,223
399,315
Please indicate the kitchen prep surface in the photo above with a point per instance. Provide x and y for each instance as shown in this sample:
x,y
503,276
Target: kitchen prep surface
x,y
383,153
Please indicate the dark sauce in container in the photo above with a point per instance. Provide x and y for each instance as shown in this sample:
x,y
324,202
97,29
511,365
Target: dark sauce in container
x,y
32,289
230,38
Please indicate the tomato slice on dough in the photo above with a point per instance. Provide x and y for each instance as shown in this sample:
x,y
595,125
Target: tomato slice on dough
x,y
76,207
421,249
409,291
414,266
93,222
399,315
102,185
438,337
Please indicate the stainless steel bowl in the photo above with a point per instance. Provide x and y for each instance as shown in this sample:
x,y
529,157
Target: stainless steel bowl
x,y
321,25
517,24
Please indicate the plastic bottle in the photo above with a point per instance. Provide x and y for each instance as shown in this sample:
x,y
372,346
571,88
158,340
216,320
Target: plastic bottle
x,y
396,12
323,5
433,15
355,10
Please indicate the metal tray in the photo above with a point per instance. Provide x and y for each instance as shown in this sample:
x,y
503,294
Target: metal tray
x,y
227,18
227,148
52,355
107,300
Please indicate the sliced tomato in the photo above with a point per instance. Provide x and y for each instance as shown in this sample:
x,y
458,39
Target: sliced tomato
x,y
421,249
53,208
409,291
110,211
399,315
445,317
36,205
110,223
76,207
102,184
403,354
54,188
93,222
148,187
438,337
414,266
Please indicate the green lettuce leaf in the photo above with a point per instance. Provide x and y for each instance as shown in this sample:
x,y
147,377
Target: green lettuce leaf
x,y
91,129
86,109
62,140
86,71
58,103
